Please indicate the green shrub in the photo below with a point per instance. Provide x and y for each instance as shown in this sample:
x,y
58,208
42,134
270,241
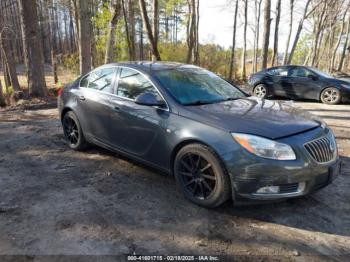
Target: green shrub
x,y
7,91
71,62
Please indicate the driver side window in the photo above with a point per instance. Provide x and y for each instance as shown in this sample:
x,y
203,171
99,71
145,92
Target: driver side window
x,y
132,84
279,71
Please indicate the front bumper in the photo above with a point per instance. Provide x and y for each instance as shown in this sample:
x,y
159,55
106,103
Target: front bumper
x,y
292,187
345,94
293,178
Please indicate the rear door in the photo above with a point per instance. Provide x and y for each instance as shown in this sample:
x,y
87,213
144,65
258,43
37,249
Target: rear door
x,y
95,101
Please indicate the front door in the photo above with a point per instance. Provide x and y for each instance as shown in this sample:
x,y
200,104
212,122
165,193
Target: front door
x,y
305,83
136,128
280,80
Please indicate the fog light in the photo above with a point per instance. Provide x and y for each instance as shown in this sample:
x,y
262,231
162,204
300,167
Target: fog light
x,y
269,190
301,186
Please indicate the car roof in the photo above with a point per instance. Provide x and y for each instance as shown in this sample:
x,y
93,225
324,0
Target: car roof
x,y
289,66
149,67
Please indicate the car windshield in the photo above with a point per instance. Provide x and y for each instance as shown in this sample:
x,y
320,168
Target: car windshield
x,y
195,86
321,73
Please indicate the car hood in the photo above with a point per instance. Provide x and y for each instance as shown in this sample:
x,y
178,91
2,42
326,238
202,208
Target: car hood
x,y
344,81
271,119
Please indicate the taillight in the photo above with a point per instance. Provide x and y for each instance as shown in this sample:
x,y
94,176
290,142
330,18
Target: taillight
x,y
59,93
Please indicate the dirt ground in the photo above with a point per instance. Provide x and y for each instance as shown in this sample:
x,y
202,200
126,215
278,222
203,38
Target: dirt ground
x,y
54,201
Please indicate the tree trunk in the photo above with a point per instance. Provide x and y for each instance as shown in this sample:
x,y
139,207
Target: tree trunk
x,y
141,55
232,70
75,5
257,34
155,21
342,56
7,55
297,36
115,10
196,46
338,43
6,73
318,30
2,98
154,48
274,60
85,35
266,34
58,35
72,35
285,58
126,24
52,42
131,18
243,72
191,29
32,48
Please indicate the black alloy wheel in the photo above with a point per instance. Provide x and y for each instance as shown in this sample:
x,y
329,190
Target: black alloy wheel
x,y
198,175
201,175
73,132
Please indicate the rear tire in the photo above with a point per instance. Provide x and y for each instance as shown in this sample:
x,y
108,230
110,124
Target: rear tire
x,y
260,91
73,132
201,176
331,96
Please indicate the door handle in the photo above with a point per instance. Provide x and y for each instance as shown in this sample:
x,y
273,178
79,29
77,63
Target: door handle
x,y
82,98
116,108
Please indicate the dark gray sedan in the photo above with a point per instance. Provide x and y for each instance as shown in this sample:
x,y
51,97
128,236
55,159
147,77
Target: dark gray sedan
x,y
184,120
295,82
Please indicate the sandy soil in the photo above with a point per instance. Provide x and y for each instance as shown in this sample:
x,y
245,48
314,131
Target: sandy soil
x,y
54,201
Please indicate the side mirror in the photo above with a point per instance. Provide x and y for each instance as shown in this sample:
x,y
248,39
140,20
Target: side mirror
x,y
149,99
313,77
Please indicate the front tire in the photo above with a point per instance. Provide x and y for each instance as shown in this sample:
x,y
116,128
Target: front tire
x,y
331,96
260,91
201,176
73,132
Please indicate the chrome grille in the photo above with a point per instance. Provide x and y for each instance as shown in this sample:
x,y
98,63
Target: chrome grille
x,y
322,150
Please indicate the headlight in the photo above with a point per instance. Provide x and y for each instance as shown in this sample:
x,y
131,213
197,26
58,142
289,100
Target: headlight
x,y
265,148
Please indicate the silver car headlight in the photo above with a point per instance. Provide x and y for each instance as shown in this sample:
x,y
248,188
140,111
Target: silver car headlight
x,y
264,147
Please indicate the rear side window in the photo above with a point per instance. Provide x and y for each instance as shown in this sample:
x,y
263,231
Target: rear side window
x,y
102,79
132,83
84,81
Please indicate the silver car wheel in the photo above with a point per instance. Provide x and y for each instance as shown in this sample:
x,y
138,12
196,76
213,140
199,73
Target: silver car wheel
x,y
260,91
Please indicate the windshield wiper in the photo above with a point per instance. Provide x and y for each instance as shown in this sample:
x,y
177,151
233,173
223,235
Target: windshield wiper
x,y
231,98
200,102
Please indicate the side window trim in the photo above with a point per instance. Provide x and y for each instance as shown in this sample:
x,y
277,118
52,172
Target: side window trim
x,y
145,76
116,80
81,78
